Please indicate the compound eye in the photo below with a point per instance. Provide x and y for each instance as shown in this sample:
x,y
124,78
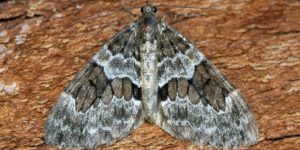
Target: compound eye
x,y
154,9
142,9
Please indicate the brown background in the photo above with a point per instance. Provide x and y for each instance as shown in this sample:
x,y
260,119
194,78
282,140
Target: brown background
x,y
256,43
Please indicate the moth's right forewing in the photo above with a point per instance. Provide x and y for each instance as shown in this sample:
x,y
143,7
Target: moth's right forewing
x,y
103,103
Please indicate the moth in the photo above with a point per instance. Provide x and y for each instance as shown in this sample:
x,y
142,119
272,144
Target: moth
x,y
149,72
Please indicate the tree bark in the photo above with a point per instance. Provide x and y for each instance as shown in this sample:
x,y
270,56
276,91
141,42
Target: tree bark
x,y
43,44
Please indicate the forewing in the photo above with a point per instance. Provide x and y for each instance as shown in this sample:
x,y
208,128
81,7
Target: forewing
x,y
196,101
102,104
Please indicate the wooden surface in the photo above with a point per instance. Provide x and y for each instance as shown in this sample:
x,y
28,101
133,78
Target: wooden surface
x,y
256,43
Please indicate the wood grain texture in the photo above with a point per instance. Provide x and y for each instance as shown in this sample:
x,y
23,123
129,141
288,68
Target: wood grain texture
x,y
44,43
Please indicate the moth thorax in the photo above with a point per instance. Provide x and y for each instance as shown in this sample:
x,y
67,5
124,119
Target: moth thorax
x,y
148,24
149,21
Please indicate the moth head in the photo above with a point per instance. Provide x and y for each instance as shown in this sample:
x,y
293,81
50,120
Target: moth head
x,y
149,10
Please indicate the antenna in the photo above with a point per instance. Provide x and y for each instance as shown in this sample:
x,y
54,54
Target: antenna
x,y
188,7
127,9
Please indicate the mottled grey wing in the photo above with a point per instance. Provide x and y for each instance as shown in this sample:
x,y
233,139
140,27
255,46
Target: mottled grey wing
x,y
196,101
102,104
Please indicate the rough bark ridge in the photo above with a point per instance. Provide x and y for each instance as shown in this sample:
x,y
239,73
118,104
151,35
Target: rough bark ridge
x,y
44,43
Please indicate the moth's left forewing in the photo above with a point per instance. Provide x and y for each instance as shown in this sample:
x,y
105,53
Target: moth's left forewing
x,y
196,100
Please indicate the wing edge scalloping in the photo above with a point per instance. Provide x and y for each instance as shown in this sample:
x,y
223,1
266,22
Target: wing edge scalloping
x,y
65,105
250,124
